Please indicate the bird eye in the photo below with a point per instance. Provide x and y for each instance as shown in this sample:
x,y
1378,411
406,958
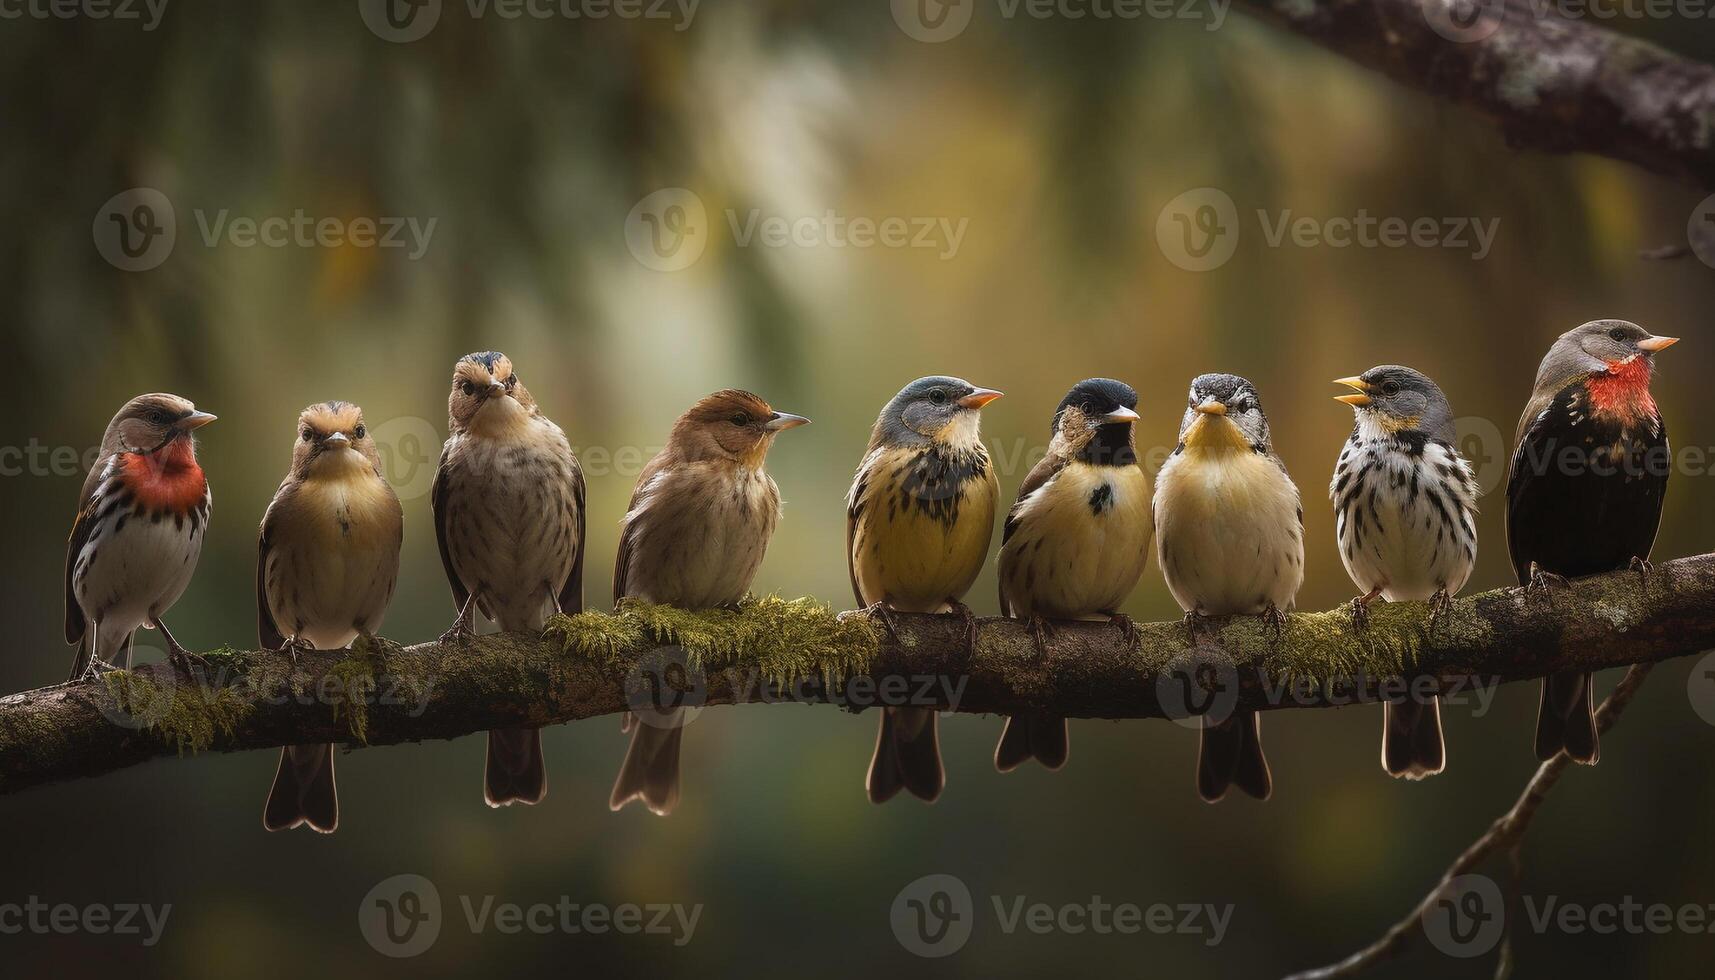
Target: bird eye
x,y
937,396
1088,408
1390,387
1618,333
307,434
511,379
159,417
740,419
467,388
359,432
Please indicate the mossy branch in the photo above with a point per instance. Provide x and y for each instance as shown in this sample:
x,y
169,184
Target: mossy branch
x,y
773,649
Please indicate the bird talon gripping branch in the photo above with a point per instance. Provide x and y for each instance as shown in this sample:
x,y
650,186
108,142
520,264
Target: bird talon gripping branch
x,y
1540,583
1440,607
1645,569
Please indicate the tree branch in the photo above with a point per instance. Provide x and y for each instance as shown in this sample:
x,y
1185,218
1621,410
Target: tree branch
x,y
1551,83
599,664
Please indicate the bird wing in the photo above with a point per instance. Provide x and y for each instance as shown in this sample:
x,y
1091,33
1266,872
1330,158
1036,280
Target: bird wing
x,y
1038,477
572,593
854,507
438,503
76,622
267,631
633,525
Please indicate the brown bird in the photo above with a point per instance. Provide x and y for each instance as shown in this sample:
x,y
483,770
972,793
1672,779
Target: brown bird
x,y
693,537
326,563
509,517
138,532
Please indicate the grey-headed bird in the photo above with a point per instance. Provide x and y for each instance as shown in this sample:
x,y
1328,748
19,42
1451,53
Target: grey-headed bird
x,y
1230,537
693,537
1075,542
918,521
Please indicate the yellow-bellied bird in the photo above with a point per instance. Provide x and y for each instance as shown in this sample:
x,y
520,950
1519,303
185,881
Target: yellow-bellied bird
x,y
918,521
693,537
1405,506
326,563
1230,537
1076,541
509,515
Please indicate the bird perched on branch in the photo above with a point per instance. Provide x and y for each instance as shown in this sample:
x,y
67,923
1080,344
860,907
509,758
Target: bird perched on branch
x,y
1405,505
1230,537
918,521
327,559
1075,542
139,529
508,499
1585,488
693,537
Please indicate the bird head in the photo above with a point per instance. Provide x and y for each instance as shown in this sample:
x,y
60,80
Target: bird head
x,y
486,392
939,410
1601,347
150,423
1094,421
730,425
1223,412
332,440
1391,398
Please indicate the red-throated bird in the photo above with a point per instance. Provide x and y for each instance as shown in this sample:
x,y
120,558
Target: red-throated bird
x,y
509,516
139,530
693,537
1230,536
1075,542
1584,489
1405,505
326,562
918,521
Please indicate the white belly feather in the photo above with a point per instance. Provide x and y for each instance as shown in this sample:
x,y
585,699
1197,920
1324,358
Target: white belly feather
x,y
1229,532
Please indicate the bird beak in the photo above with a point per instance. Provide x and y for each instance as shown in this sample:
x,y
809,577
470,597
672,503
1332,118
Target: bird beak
x,y
784,420
1360,392
338,440
1209,406
979,398
1653,344
1120,414
195,420
495,387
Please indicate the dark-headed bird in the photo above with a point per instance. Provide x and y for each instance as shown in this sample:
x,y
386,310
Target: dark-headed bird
x,y
139,529
1584,489
918,521
509,516
1230,536
1075,542
693,537
326,563
1405,506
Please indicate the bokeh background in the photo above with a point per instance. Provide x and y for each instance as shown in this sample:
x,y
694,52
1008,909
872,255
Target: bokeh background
x,y
1058,143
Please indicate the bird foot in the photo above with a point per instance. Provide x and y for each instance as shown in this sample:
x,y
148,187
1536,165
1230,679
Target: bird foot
x,y
1194,623
879,611
1128,629
1644,567
1274,619
1041,631
96,668
970,620
292,648
458,634
378,649
1540,581
1361,609
184,661
1440,607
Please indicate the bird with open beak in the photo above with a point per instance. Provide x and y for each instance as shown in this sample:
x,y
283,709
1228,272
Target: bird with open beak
x,y
1230,538
138,532
918,520
327,559
693,537
1585,489
1075,542
1405,506
508,499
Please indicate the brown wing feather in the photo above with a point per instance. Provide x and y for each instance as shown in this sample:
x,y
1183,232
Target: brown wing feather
x,y
76,622
267,631
572,593
438,504
1038,476
627,537
860,484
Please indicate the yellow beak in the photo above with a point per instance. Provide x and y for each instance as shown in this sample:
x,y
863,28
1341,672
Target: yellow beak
x,y
1360,394
1209,406
1653,344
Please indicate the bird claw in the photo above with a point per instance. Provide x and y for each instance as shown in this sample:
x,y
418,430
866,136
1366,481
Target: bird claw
x,y
879,610
1644,567
1540,581
970,620
96,668
1440,606
378,650
1360,614
1041,631
1128,629
1274,619
458,634
183,661
292,648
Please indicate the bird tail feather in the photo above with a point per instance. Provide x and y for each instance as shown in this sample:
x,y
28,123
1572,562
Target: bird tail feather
x,y
1040,735
1567,719
303,794
1231,753
515,771
651,769
907,756
1412,743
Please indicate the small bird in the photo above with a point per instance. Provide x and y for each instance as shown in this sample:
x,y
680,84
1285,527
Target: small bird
x,y
139,529
508,499
1075,542
326,562
693,537
1230,537
1405,505
1585,488
918,521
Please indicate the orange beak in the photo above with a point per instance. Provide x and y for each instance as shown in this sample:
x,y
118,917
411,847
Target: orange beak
x,y
979,398
1360,395
1653,344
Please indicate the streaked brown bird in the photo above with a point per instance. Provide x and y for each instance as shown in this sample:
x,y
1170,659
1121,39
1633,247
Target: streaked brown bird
x,y
326,563
139,529
918,521
693,537
509,517
1075,543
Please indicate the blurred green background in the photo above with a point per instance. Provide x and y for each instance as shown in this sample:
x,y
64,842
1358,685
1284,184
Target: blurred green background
x,y
1059,142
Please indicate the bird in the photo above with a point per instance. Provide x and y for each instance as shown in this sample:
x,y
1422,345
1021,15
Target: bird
x,y
918,521
1405,506
1075,542
139,529
693,537
1584,490
508,501
1230,540
327,558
